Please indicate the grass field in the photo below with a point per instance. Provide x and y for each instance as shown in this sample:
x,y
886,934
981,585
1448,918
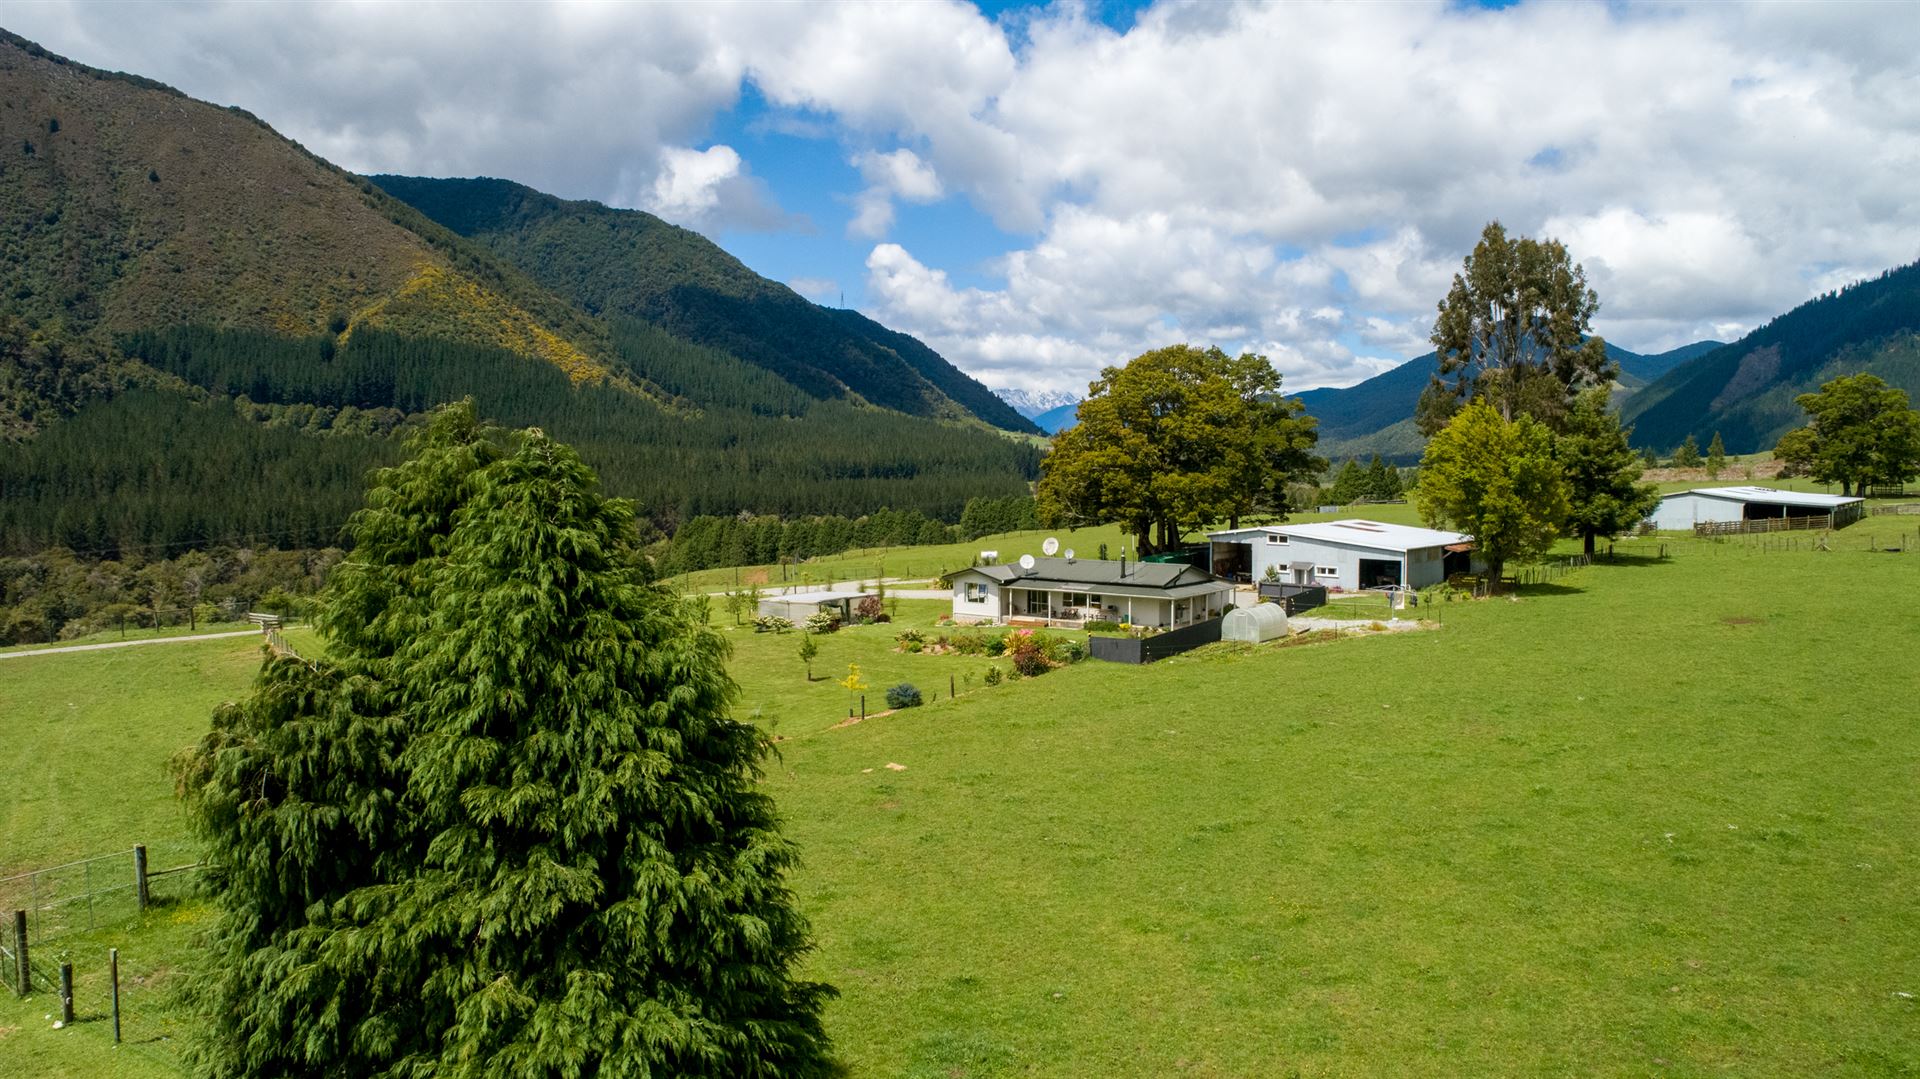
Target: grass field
x,y
1657,818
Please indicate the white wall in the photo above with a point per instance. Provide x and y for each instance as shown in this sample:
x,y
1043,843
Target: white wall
x,y
1681,512
978,611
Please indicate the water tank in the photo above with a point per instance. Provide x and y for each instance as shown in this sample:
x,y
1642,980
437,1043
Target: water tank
x,y
1260,622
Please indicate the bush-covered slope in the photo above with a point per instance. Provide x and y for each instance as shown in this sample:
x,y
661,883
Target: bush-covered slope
x,y
625,262
168,265
125,205
1745,390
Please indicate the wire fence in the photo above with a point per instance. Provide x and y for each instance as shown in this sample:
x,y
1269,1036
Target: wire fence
x,y
65,936
94,893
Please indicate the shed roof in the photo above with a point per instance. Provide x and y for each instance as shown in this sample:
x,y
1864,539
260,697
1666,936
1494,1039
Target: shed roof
x,y
1355,532
818,596
1770,495
1084,573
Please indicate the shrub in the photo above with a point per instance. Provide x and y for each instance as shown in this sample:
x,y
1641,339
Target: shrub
x,y
1101,625
870,609
772,623
996,646
1067,650
904,695
993,676
1029,652
968,644
911,640
822,622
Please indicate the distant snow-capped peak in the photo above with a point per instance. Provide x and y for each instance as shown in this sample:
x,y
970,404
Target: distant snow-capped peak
x,y
1030,403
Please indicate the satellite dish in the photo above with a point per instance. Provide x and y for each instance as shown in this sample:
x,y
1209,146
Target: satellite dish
x,y
1069,554
1051,547
1026,561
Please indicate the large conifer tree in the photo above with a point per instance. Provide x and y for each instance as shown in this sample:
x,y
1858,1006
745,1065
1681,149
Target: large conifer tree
x,y
507,827
1604,490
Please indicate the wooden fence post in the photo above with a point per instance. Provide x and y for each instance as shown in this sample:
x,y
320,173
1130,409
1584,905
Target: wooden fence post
x,y
23,982
66,994
113,965
140,876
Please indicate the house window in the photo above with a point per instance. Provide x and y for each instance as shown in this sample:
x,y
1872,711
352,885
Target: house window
x,y
1036,602
1076,599
1326,571
976,592
1275,540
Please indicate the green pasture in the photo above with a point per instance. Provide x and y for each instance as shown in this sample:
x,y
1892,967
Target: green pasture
x,y
905,563
1659,817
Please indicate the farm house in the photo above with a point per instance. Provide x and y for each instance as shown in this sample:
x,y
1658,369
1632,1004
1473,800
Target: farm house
x,y
1683,510
1069,592
1348,555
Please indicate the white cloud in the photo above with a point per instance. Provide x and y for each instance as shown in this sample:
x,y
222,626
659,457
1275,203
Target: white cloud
x,y
1296,178
900,174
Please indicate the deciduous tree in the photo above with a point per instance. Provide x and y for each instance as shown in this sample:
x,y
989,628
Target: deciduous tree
x,y
1513,331
1605,495
507,825
1498,481
1862,433
1178,437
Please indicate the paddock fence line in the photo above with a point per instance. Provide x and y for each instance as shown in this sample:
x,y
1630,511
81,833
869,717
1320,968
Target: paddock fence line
x,y
94,893
1902,509
1823,522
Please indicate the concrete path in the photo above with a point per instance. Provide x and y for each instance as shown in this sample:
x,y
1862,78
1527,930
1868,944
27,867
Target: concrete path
x,y
1309,625
131,644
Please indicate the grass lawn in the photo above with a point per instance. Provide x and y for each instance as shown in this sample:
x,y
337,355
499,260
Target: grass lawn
x,y
1658,817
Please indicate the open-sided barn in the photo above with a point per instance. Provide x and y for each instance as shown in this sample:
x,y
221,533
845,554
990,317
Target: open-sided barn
x,y
1685,509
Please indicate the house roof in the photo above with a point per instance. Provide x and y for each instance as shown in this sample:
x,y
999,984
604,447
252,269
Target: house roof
x,y
1092,573
1769,495
1355,532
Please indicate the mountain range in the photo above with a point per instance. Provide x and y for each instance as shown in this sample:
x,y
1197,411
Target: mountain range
x,y
1031,403
1050,410
171,266
1376,416
1743,391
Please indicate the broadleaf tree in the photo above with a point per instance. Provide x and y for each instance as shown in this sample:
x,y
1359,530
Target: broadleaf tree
x,y
1604,493
1496,480
1513,330
507,826
1177,438
1861,432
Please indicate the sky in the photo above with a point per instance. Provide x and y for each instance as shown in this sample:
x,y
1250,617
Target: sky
x,y
1041,190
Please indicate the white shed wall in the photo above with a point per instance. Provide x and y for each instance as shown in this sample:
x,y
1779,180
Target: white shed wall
x,y
1681,512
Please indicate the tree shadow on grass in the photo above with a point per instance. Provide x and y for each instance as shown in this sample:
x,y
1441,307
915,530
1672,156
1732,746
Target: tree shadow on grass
x,y
1544,590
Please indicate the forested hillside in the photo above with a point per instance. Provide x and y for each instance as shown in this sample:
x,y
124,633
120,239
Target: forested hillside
x,y
126,205
1746,390
626,262
208,335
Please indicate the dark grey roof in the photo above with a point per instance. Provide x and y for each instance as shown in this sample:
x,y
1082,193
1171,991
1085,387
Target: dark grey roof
x,y
1091,572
